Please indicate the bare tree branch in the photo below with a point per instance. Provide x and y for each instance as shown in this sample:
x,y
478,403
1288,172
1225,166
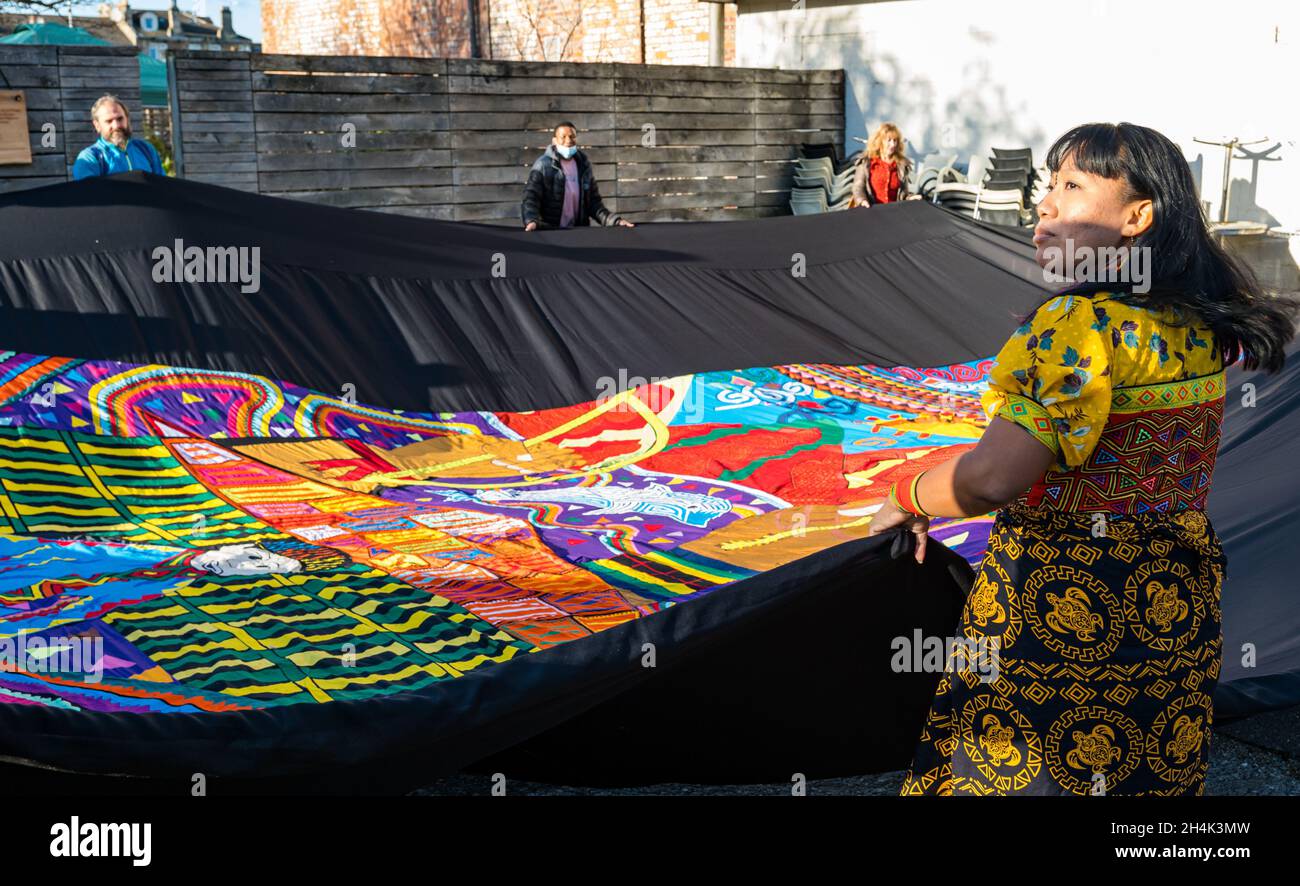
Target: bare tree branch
x,y
568,38
38,7
534,32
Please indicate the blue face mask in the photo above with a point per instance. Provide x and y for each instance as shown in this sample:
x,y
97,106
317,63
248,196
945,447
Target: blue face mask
x,y
566,151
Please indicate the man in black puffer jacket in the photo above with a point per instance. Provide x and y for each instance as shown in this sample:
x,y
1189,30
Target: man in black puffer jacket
x,y
561,190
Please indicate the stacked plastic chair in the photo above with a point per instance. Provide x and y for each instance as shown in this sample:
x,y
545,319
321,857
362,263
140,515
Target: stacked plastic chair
x,y
1001,188
822,182
1010,169
934,170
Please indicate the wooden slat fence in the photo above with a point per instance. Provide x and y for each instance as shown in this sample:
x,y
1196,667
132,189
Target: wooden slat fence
x,y
60,83
453,138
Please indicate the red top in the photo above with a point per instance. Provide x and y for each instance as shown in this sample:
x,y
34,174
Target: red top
x,y
884,180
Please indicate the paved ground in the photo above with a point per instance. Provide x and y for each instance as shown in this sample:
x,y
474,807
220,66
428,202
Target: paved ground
x,y
1255,756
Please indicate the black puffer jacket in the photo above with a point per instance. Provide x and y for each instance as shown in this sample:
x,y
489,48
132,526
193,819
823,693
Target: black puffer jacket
x,y
544,193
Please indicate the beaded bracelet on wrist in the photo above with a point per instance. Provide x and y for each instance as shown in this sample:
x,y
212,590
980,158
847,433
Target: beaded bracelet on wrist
x,y
903,494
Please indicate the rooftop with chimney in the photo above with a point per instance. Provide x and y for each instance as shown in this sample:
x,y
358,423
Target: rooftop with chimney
x,y
153,31
175,29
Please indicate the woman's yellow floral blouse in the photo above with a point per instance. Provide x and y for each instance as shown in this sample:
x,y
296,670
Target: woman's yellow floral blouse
x,y
1056,373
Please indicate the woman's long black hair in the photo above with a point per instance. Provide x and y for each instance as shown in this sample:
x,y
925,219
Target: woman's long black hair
x,y
1191,274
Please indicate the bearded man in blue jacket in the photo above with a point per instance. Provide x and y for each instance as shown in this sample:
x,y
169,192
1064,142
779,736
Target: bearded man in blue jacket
x,y
115,151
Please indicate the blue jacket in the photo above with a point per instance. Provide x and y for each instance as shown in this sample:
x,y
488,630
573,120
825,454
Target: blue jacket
x,y
106,158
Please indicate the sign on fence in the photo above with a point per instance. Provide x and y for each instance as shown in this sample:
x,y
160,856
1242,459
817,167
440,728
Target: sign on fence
x,y
14,147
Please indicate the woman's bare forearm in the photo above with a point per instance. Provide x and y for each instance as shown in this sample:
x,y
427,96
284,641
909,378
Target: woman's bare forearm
x,y
1006,461
948,490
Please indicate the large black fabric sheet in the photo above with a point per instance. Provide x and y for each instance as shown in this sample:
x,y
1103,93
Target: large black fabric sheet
x,y
431,315
410,312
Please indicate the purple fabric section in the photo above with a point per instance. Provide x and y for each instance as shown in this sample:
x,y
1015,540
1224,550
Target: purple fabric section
x,y
570,210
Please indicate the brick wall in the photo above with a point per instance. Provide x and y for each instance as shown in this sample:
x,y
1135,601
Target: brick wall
x,y
429,28
676,31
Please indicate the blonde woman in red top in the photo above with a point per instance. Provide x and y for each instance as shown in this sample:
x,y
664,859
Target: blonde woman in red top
x,y
881,173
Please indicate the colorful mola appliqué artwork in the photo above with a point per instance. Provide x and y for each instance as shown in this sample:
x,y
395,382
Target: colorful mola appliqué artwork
x,y
227,542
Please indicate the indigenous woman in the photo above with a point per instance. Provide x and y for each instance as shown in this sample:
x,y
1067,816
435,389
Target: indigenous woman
x,y
880,173
1097,601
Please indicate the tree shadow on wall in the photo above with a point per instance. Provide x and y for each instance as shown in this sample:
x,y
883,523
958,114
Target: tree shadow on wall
x,y
884,89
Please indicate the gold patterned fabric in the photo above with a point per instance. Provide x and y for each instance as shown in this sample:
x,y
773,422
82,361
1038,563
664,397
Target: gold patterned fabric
x,y
1091,639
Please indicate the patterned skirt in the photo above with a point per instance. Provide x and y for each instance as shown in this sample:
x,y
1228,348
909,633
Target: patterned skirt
x,y
1092,648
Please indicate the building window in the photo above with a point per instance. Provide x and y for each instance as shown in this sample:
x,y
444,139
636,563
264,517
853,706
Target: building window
x,y
148,22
